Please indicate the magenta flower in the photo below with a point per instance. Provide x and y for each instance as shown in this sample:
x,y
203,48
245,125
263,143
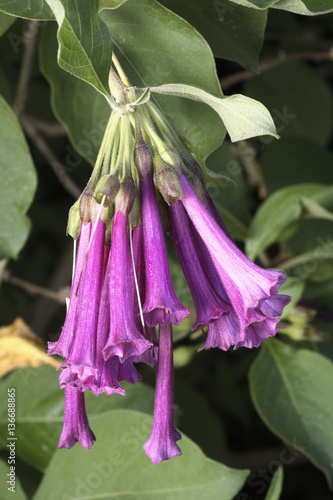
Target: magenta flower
x,y
62,345
161,304
208,303
78,339
251,290
161,444
76,426
124,338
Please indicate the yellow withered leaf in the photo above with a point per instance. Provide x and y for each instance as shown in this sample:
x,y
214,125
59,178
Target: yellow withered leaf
x,y
20,346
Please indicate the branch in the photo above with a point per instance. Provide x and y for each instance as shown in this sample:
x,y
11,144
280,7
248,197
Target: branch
x,y
231,80
60,171
33,289
52,129
30,42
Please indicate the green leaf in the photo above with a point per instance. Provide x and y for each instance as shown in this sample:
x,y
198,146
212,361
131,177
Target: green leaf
x,y
28,9
233,32
256,4
233,201
291,102
316,264
305,7
117,467
5,22
156,46
18,184
85,46
275,488
76,104
242,116
294,160
40,411
312,210
292,392
7,494
293,287
275,219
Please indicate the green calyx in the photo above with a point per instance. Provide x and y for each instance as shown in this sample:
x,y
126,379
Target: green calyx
x,y
138,142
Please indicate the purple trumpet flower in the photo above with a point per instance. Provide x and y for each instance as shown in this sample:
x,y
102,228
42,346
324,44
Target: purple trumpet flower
x,y
76,426
124,338
111,371
62,345
161,444
251,290
161,304
149,357
208,303
78,339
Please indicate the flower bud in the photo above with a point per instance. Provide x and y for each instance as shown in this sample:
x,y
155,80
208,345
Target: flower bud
x,y
171,158
143,158
197,186
88,206
125,198
108,186
135,216
167,182
194,167
74,221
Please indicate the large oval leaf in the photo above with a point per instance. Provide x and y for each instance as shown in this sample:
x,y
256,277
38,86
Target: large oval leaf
x,y
117,467
18,184
82,110
292,392
243,117
294,105
234,32
85,46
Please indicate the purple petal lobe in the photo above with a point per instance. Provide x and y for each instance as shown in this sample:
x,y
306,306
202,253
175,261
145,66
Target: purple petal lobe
x,y
161,304
161,444
76,426
257,332
222,332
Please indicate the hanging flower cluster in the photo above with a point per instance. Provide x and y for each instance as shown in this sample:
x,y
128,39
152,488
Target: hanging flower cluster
x,y
122,288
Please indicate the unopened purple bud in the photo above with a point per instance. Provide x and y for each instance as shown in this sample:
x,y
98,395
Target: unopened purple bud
x,y
107,186
194,167
143,158
89,208
170,157
126,196
167,182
